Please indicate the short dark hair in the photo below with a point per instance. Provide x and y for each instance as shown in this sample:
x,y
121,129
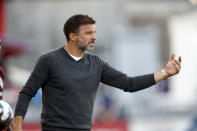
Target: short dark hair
x,y
74,22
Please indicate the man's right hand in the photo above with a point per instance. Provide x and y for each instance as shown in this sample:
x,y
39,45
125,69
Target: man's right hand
x,y
18,123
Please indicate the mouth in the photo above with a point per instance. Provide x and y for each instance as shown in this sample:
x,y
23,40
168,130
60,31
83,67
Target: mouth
x,y
91,43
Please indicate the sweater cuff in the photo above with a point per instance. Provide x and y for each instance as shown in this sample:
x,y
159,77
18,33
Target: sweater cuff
x,y
19,114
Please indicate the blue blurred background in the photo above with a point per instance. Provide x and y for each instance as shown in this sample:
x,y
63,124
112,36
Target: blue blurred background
x,y
134,36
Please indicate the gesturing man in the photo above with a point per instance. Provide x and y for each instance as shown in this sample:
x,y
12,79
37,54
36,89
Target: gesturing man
x,y
69,78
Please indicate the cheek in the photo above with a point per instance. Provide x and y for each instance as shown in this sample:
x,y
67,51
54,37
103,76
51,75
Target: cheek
x,y
85,39
80,39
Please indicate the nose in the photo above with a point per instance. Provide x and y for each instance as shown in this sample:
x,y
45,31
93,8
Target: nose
x,y
93,37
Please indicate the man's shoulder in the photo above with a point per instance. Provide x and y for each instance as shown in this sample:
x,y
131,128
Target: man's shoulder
x,y
92,56
55,51
95,57
51,54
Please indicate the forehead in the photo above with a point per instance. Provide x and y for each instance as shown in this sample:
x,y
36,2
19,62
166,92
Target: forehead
x,y
87,27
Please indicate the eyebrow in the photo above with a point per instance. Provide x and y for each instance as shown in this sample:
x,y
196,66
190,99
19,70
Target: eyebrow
x,y
90,32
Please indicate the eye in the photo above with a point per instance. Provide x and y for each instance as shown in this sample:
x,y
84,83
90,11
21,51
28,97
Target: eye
x,y
89,32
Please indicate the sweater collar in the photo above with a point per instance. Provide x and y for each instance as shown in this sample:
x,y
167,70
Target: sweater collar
x,y
68,56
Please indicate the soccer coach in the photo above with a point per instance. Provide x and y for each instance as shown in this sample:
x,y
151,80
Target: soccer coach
x,y
69,79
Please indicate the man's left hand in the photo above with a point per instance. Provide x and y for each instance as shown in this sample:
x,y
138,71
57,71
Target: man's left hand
x,y
173,67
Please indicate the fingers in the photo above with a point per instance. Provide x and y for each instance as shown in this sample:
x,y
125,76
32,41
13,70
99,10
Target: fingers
x,y
179,59
178,68
177,65
176,62
172,57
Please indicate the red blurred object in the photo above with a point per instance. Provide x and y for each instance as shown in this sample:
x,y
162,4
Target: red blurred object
x,y
31,127
120,125
2,30
9,47
13,50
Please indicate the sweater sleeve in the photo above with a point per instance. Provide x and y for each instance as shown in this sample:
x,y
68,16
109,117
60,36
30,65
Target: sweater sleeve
x,y
115,78
36,80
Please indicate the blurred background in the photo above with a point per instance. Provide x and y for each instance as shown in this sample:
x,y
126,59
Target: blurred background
x,y
134,36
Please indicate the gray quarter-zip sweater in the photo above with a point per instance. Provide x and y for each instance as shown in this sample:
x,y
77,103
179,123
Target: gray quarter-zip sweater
x,y
69,88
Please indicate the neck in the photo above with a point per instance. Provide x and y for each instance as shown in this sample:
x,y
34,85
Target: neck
x,y
72,49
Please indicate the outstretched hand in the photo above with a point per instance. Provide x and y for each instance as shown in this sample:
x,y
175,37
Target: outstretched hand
x,y
173,67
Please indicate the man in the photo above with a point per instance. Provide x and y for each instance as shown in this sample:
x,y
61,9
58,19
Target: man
x,y
69,79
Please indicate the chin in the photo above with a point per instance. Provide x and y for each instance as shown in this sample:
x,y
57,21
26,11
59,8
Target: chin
x,y
90,49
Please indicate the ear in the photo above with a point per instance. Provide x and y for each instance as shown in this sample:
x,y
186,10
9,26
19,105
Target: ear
x,y
73,36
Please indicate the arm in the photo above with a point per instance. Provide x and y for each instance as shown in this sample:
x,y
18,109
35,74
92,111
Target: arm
x,y
113,77
36,80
